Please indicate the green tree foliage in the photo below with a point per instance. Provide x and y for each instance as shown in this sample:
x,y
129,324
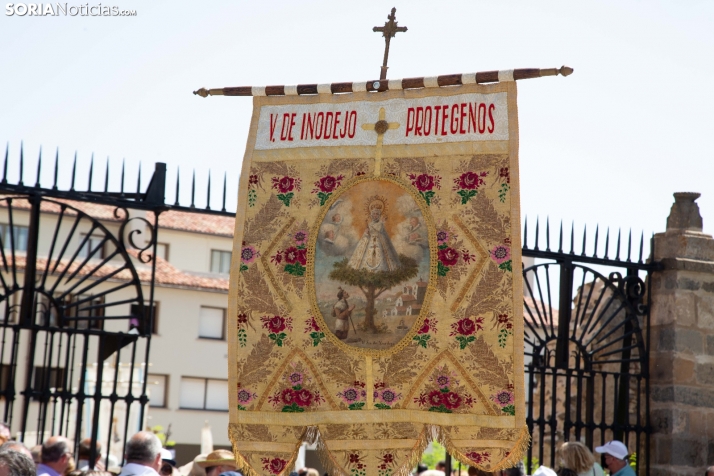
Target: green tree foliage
x,y
373,284
437,453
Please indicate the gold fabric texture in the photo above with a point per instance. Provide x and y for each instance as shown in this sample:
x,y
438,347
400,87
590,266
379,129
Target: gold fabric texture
x,y
373,302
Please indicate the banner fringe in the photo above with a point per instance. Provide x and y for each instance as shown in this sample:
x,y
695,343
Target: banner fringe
x,y
308,435
311,435
515,455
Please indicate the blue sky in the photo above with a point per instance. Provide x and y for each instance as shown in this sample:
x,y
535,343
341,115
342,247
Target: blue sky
x,y
607,145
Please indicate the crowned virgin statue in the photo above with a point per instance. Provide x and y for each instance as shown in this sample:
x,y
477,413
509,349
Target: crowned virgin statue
x,y
375,251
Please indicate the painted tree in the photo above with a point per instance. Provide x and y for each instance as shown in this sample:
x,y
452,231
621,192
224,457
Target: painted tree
x,y
373,284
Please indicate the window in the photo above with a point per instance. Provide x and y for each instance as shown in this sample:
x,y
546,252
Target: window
x,y
156,384
220,261
203,394
140,322
47,378
162,251
90,246
19,236
211,323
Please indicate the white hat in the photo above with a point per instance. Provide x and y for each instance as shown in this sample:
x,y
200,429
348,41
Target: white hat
x,y
544,471
614,448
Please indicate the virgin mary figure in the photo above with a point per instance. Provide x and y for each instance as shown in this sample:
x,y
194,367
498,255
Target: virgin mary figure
x,y
374,251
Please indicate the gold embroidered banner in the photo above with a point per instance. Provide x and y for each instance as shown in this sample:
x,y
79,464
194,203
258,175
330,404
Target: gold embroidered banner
x,y
373,301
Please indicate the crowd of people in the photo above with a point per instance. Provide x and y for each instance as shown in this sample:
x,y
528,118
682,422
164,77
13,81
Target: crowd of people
x,y
574,459
145,456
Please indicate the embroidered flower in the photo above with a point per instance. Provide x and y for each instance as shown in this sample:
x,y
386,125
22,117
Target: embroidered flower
x,y
388,396
284,185
427,326
245,396
242,318
275,465
466,326
479,457
248,254
442,237
448,256
253,180
276,324
443,381
503,398
501,254
287,396
434,398
295,379
423,182
451,400
503,173
354,458
328,183
469,181
300,237
349,395
312,325
303,397
296,255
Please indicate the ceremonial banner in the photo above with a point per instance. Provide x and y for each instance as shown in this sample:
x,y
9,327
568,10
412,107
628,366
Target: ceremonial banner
x,y
376,292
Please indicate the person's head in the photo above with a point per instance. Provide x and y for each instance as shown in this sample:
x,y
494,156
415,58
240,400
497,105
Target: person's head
x,y
95,472
616,455
376,213
15,463
576,456
440,466
168,463
312,472
57,453
517,470
336,218
566,472
421,467
413,221
5,433
36,452
16,446
85,449
144,448
217,462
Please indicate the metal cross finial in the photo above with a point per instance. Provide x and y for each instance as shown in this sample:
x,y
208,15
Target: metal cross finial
x,y
389,29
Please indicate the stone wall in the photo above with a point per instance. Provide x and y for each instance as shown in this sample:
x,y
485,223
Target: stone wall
x,y
682,345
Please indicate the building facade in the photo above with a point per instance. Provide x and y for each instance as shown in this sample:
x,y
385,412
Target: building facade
x,y
187,376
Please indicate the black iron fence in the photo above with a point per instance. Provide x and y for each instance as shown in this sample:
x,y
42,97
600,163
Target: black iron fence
x,y
77,317
586,344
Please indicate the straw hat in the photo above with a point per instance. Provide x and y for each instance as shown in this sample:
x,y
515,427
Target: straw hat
x,y
217,458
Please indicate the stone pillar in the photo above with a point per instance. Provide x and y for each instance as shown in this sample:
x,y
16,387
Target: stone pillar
x,y
682,345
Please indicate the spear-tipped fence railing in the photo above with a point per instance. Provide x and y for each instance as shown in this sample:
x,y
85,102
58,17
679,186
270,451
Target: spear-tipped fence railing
x,y
586,330
587,339
150,198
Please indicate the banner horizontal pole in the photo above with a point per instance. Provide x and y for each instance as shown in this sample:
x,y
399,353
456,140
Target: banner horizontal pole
x,y
384,84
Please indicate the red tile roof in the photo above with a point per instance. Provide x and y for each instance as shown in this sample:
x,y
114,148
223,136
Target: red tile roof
x,y
173,220
166,274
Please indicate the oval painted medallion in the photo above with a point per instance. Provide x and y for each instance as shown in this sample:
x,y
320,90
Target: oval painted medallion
x,y
372,261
